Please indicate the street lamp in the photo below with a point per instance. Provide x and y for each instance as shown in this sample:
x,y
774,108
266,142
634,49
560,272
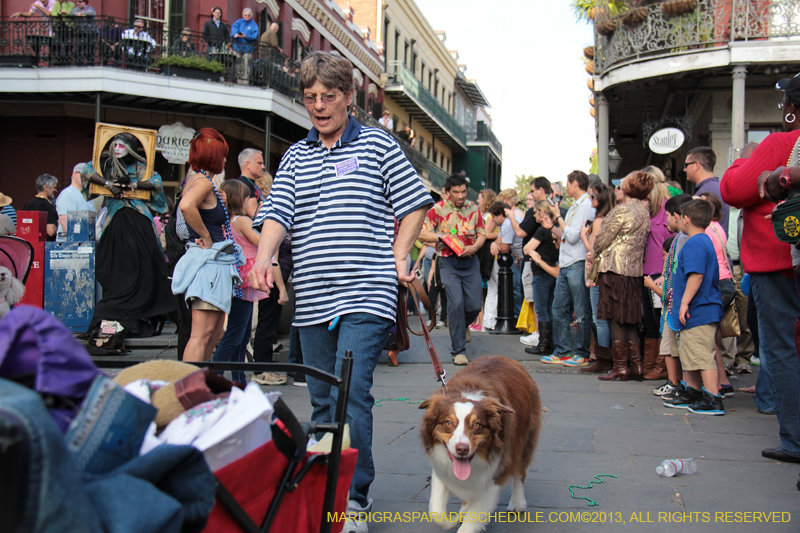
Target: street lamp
x,y
614,159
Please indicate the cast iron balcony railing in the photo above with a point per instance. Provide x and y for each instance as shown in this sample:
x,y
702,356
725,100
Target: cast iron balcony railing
x,y
400,75
106,43
656,30
483,133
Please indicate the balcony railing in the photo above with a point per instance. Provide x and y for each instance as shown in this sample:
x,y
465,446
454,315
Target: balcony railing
x,y
483,133
108,42
650,31
399,74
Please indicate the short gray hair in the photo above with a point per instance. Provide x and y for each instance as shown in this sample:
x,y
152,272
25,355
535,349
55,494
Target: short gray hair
x,y
245,10
45,180
330,70
247,154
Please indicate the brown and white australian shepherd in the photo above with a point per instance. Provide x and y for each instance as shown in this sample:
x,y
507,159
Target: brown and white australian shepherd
x,y
478,432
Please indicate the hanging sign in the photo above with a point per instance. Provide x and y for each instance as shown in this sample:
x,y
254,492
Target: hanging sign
x,y
666,140
173,142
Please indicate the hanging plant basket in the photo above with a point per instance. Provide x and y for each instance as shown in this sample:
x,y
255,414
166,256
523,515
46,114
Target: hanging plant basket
x,y
674,8
588,52
590,13
590,67
605,26
590,84
635,16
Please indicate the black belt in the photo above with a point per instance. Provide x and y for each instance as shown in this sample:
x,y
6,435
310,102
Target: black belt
x,y
736,262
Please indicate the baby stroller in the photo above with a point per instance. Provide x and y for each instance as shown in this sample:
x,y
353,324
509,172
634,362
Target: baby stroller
x,y
17,256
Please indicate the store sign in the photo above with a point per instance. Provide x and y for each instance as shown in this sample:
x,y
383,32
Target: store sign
x,y
666,141
173,142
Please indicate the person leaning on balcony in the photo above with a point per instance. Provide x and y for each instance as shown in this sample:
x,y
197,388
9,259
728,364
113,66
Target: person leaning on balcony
x,y
139,55
43,8
245,39
215,32
407,135
183,45
769,263
87,31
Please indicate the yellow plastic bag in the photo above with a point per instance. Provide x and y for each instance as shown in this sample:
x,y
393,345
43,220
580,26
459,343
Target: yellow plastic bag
x,y
527,318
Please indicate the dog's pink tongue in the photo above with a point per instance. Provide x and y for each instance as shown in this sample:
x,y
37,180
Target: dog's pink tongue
x,y
461,468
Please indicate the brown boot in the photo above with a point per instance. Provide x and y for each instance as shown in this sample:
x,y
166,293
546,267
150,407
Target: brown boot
x,y
603,362
636,361
393,357
619,353
652,350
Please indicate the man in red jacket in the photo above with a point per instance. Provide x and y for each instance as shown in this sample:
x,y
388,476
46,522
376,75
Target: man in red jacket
x,y
769,263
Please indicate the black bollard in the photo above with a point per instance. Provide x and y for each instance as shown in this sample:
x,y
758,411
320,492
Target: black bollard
x,y
505,297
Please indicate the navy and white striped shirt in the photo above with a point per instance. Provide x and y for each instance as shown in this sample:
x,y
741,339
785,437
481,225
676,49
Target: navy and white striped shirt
x,y
340,205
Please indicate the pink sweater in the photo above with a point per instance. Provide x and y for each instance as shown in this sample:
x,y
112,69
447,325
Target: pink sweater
x,y
760,249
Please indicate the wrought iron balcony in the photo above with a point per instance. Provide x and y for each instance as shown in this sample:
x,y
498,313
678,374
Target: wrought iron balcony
x,y
483,133
107,43
409,92
658,30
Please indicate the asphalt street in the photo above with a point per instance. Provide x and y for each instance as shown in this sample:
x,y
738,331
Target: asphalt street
x,y
589,428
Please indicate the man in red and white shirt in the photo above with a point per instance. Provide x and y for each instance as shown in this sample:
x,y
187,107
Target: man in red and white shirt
x,y
461,273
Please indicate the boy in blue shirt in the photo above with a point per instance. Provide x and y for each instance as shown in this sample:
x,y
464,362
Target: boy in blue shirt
x,y
696,312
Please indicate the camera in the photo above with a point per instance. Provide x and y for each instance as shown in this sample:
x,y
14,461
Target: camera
x,y
588,223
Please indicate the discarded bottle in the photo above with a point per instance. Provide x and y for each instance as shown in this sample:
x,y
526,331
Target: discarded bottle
x,y
670,467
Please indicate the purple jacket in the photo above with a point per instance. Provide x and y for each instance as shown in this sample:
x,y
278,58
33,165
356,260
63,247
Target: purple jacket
x,y
35,346
654,250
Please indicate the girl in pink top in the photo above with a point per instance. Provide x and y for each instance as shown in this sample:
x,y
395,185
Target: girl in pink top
x,y
234,343
726,287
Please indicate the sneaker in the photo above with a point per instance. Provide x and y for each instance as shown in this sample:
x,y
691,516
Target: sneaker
x,y
440,325
299,380
351,525
728,370
555,359
744,368
755,361
682,398
664,389
726,391
270,378
576,361
484,329
530,340
708,405
460,360
468,336
474,327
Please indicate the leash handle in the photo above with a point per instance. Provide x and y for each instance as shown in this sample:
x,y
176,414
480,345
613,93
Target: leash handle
x,y
418,294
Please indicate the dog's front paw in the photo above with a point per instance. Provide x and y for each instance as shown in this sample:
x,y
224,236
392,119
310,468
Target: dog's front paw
x,y
444,522
517,507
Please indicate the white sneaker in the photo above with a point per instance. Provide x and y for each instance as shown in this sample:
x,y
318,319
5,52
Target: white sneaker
x,y
352,524
270,378
530,340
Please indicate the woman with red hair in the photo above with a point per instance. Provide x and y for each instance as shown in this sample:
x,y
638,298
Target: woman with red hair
x,y
619,246
206,219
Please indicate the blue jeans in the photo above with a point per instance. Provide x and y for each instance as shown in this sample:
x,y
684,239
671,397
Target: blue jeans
x,y
571,288
516,271
777,305
603,332
544,288
365,335
232,348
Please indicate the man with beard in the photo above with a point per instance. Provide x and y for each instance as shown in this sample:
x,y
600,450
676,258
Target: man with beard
x,y
130,264
46,188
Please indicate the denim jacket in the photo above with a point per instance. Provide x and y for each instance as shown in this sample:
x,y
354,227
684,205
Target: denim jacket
x,y
208,274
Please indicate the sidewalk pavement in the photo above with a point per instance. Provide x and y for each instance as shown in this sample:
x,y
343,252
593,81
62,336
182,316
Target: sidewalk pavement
x,y
590,427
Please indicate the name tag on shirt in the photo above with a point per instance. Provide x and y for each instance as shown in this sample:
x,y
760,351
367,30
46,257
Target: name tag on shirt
x,y
347,167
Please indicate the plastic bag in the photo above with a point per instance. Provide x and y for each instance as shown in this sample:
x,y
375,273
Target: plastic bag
x,y
527,318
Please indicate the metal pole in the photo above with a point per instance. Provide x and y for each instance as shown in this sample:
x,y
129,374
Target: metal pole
x,y
737,110
601,105
506,325
267,130
98,108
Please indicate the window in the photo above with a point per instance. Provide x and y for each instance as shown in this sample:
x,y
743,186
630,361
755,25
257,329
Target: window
x,y
447,163
297,49
422,73
413,62
396,43
385,37
757,135
405,54
428,152
430,81
435,155
435,87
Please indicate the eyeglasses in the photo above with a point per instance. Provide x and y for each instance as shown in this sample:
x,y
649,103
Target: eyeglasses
x,y
326,99
686,164
138,27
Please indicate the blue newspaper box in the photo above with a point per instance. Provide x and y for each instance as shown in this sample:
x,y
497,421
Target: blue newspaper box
x,y
80,226
69,282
